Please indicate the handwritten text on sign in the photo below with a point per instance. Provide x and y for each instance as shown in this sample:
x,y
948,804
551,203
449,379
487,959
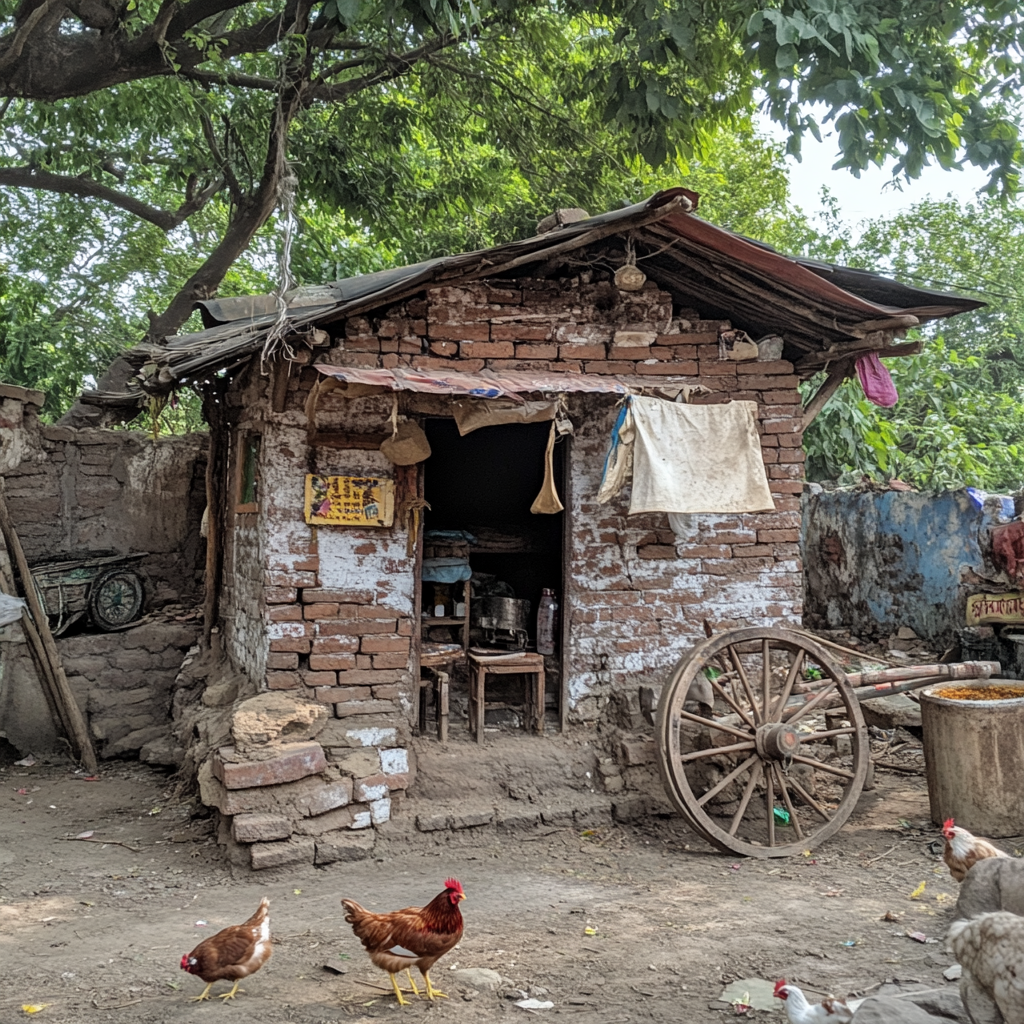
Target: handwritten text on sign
x,y
987,608
350,500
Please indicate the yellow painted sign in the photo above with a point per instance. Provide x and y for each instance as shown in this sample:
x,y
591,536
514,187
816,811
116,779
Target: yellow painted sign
x,y
349,500
983,609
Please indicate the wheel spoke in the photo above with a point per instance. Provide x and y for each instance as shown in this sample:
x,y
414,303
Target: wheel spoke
x,y
793,820
735,748
824,767
731,777
769,798
808,799
794,671
766,678
724,694
747,794
741,672
811,704
714,724
813,737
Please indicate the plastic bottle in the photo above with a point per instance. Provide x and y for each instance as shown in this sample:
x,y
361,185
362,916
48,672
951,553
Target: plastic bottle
x,y
547,622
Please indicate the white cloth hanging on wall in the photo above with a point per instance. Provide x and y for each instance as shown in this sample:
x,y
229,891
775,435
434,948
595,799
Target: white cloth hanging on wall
x,y
697,458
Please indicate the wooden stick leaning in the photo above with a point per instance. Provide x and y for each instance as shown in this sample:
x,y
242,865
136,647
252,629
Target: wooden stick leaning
x,y
70,712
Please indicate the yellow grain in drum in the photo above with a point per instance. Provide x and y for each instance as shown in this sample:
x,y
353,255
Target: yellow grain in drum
x,y
974,754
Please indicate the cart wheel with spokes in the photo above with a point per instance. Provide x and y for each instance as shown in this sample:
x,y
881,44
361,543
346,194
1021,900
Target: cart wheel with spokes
x,y
743,748
115,599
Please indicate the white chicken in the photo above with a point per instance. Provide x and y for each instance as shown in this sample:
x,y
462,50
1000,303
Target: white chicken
x,y
800,1011
990,948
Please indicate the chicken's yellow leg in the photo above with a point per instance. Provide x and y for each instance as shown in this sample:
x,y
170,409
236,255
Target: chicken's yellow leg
x,y
205,994
398,991
231,994
412,981
432,993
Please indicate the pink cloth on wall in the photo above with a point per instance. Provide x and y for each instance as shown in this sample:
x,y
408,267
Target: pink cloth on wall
x,y
876,381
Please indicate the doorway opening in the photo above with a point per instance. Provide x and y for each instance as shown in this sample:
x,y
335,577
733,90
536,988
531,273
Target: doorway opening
x,y
483,484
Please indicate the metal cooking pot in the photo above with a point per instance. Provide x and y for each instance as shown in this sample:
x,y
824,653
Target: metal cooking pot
x,y
509,613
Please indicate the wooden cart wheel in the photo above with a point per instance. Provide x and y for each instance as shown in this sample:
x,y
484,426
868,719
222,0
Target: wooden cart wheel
x,y
116,599
743,748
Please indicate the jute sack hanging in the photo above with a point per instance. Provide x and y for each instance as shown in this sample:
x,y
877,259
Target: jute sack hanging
x,y
407,444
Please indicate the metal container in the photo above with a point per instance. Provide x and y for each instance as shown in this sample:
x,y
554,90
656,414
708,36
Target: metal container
x,y
974,757
504,613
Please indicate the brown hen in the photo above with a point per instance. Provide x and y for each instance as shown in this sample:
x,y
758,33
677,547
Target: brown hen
x,y
413,937
232,954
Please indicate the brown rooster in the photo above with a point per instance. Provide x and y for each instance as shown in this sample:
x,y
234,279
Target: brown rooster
x,y
232,954
413,937
964,850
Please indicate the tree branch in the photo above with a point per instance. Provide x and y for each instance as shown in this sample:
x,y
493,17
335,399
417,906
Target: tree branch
x,y
30,177
222,162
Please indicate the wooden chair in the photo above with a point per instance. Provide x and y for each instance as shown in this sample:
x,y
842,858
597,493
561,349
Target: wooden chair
x,y
526,664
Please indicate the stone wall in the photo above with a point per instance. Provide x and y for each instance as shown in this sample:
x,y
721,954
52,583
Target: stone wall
x,y
72,493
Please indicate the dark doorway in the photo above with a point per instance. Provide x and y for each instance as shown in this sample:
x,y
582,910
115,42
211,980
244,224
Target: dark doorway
x,y
484,483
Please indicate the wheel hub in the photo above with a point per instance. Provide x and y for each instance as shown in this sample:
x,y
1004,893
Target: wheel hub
x,y
777,741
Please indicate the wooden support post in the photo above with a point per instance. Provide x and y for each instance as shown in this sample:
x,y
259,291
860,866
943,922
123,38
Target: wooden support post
x,y
70,712
829,387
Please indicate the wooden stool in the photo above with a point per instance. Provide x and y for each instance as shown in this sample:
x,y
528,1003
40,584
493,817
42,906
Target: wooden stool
x,y
482,666
439,665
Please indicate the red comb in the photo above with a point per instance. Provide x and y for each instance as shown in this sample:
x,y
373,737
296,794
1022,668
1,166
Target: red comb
x,y
453,883
780,984
948,823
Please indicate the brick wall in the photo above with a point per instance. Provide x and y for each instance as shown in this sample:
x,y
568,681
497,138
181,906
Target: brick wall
x,y
337,604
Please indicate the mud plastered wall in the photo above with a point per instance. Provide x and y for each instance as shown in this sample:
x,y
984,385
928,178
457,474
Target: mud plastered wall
x,y
72,493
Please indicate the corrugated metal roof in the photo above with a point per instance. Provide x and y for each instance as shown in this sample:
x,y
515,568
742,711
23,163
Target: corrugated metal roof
x,y
813,306
493,383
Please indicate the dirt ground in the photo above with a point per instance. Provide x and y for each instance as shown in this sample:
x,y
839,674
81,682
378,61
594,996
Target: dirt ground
x,y
97,930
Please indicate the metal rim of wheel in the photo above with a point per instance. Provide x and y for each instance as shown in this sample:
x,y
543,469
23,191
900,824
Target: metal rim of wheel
x,y
116,599
761,736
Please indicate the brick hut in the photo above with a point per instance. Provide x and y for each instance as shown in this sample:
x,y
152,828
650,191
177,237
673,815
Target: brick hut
x,y
316,580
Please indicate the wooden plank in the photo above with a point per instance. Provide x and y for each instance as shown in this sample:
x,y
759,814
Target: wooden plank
x,y
829,387
343,439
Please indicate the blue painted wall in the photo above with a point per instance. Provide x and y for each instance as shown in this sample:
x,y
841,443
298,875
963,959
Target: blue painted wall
x,y
875,561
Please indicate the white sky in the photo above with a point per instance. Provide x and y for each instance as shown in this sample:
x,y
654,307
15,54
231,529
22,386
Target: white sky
x,y
871,195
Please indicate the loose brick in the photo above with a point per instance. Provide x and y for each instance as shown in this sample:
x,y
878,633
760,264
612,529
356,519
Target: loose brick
x,y
488,349
321,610
331,662
297,850
536,351
374,787
683,369
350,709
314,595
389,692
786,487
294,761
458,332
706,551
259,828
320,678
448,349
384,645
280,595
355,627
656,551
284,613
777,536
752,551
390,660
282,661
782,426
336,694
283,680
581,351
296,645
335,645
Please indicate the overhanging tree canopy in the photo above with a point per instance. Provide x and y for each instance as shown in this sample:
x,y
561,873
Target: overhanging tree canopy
x,y
186,112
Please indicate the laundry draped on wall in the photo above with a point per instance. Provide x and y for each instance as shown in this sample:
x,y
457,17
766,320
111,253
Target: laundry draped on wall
x,y
687,458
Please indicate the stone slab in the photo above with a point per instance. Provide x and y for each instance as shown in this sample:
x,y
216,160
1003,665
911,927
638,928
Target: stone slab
x,y
340,847
298,849
260,828
292,761
889,712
